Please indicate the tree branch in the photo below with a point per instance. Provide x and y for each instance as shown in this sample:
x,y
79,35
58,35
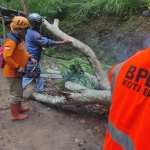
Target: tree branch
x,y
84,49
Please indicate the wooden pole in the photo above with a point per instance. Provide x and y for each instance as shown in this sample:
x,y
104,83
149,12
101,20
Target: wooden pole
x,y
3,25
25,7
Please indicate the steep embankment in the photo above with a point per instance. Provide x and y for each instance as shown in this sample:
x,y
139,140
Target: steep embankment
x,y
117,40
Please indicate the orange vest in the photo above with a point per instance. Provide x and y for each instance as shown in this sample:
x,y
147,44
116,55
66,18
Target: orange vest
x,y
129,122
14,56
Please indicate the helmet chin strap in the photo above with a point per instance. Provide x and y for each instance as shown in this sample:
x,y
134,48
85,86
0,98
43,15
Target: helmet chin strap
x,y
37,26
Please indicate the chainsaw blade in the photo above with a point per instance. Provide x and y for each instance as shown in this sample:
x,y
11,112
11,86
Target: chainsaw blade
x,y
51,75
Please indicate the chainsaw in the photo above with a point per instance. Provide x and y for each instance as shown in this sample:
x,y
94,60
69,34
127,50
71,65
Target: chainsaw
x,y
36,73
33,71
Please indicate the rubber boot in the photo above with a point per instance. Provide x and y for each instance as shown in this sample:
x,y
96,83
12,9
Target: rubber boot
x,y
15,108
23,109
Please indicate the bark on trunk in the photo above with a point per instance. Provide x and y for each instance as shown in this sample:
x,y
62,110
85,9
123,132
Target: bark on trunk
x,y
93,79
25,7
81,95
68,98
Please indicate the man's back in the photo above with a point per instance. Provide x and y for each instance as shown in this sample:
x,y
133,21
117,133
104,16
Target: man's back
x,y
128,124
33,45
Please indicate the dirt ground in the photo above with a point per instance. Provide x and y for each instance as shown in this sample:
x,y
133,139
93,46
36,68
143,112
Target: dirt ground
x,y
51,128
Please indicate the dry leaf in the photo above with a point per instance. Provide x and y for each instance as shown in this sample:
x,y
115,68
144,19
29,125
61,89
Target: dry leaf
x,y
82,121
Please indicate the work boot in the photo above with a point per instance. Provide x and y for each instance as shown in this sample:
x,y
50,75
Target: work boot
x,y
23,109
15,108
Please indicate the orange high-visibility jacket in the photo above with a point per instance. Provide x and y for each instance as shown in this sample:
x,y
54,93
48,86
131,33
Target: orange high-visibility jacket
x,y
129,117
14,56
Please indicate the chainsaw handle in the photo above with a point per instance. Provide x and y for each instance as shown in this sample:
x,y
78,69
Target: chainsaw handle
x,y
36,64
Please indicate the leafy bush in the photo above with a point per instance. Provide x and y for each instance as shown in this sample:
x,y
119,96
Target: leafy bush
x,y
67,53
80,9
121,8
74,71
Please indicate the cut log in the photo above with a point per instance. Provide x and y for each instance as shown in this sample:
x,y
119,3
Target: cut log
x,y
53,100
82,95
25,7
75,87
86,97
89,97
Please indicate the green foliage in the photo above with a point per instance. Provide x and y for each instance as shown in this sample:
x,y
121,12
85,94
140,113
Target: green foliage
x,y
120,8
67,53
80,9
50,51
76,11
102,55
49,8
125,9
74,71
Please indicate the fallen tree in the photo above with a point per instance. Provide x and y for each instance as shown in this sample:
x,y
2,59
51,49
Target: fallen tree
x,y
84,49
83,94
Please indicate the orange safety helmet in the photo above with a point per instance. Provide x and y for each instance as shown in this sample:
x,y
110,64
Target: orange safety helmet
x,y
20,22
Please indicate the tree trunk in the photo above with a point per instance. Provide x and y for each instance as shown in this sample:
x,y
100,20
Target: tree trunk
x,y
81,95
68,98
93,80
84,49
3,24
25,7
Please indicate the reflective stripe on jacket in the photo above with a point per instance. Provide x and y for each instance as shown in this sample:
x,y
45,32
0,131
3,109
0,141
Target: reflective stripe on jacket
x,y
128,122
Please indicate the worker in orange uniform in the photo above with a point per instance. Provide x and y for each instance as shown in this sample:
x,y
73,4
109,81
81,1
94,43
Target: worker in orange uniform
x,y
16,57
128,121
